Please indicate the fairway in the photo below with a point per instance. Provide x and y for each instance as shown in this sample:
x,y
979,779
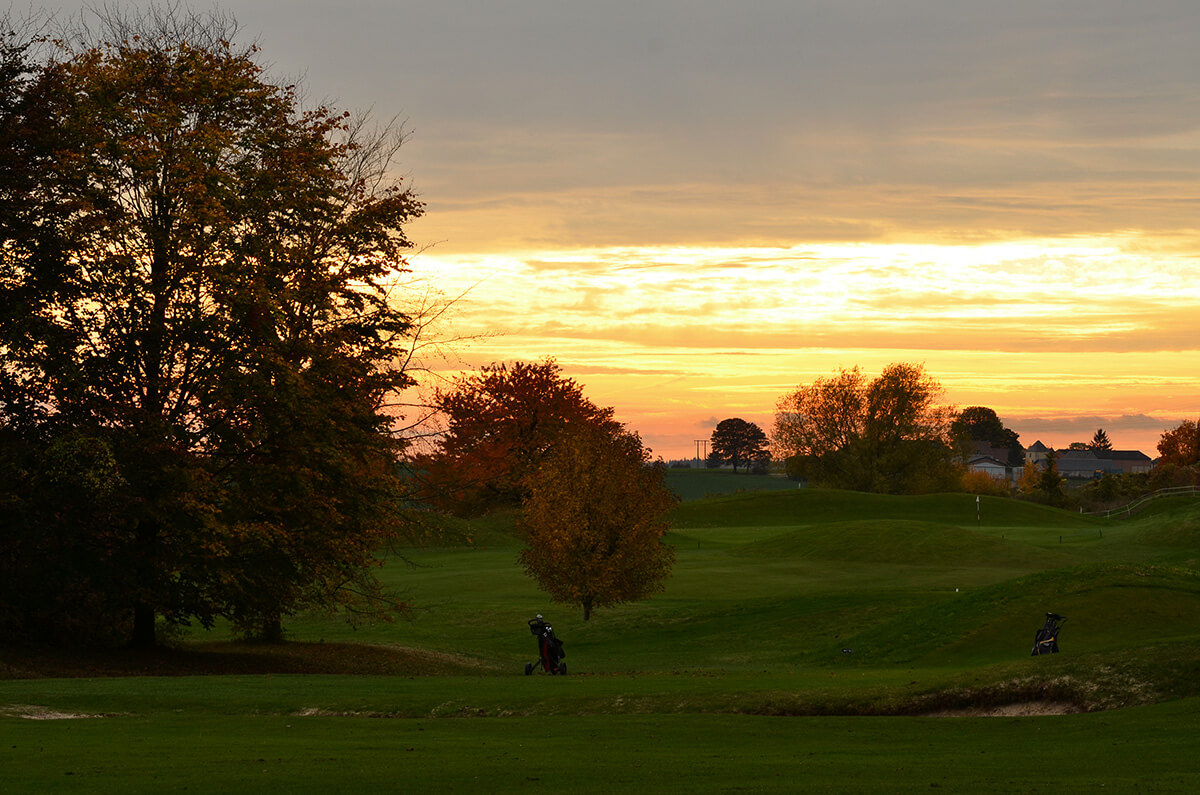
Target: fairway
x,y
806,640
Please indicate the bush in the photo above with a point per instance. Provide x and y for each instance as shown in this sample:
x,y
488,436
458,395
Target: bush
x,y
974,482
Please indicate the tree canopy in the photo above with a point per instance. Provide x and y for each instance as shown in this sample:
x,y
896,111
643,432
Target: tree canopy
x,y
887,435
197,332
499,422
594,519
736,441
1180,445
982,424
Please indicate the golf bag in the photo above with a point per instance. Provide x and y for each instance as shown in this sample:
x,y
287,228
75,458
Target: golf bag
x,y
550,649
1046,639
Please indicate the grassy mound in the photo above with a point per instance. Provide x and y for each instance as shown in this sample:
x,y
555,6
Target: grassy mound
x,y
821,506
904,541
1112,609
227,658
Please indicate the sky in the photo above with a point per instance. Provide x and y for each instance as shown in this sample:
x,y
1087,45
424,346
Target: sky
x,y
696,206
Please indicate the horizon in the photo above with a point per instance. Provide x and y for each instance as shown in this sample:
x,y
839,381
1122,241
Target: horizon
x,y
694,207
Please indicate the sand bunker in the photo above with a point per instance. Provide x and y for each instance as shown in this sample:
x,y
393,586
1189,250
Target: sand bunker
x,y
33,712
1027,709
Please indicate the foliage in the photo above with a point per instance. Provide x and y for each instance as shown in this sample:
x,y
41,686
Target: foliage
x,y
594,520
982,424
1180,445
1042,482
974,482
1100,441
736,441
196,280
888,435
1167,475
500,422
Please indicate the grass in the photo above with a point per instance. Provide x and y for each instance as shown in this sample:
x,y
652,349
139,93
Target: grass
x,y
803,640
1144,750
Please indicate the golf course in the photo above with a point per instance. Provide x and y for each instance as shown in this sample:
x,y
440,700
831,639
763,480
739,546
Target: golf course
x,y
807,640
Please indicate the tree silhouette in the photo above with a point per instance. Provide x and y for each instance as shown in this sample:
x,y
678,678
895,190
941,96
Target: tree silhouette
x,y
1180,445
736,441
196,281
889,435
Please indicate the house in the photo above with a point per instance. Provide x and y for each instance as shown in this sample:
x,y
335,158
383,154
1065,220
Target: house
x,y
1036,453
1081,464
990,465
1090,464
1127,461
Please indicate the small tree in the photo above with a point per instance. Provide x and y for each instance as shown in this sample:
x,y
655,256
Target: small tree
x,y
1043,482
1100,441
736,441
594,519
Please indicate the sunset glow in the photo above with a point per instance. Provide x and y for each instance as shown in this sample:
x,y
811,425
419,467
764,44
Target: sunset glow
x,y
1057,335
696,205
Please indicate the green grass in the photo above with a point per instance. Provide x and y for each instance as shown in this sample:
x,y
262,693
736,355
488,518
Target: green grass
x,y
1143,750
697,484
799,642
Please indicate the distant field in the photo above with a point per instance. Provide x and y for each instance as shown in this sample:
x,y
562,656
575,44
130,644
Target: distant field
x,y
696,484
794,621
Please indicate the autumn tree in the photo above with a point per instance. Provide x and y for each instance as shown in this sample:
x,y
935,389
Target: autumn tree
x,y
736,441
203,299
1180,445
499,422
889,434
594,519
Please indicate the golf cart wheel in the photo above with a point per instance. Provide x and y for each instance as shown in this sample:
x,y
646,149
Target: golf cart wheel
x,y
562,670
529,669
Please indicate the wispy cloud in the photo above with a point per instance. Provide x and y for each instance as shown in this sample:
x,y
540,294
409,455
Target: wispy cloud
x,y
1040,328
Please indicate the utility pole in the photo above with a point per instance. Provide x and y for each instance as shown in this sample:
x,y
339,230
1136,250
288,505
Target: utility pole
x,y
700,442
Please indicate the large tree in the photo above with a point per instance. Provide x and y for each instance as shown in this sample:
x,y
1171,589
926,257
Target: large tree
x,y
736,441
890,434
982,424
594,519
499,422
204,295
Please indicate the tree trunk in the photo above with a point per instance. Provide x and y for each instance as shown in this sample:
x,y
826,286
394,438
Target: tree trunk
x,y
143,628
270,630
587,608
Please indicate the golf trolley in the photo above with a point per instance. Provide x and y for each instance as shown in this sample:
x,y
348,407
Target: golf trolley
x,y
550,649
1046,639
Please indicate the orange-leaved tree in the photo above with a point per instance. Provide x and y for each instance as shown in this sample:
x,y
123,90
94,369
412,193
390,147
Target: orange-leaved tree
x,y
498,425
890,434
1180,445
594,519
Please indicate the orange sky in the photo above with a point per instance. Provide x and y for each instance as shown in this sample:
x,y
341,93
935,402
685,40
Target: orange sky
x,y
696,205
1060,337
